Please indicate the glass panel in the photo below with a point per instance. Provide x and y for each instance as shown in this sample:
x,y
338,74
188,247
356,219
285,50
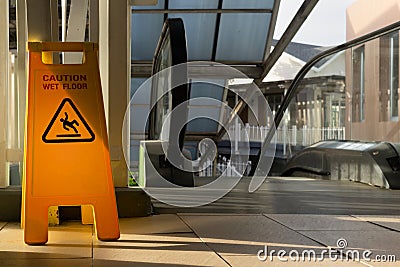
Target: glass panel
x,y
207,88
394,76
192,147
242,37
146,30
389,77
318,109
205,108
163,82
139,111
134,153
135,84
200,30
203,125
334,101
193,4
139,107
139,114
249,4
358,100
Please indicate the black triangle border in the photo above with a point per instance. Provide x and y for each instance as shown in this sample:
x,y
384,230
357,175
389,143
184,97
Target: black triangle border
x,y
44,136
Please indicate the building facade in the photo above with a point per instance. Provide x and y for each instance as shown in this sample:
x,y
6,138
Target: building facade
x,y
372,73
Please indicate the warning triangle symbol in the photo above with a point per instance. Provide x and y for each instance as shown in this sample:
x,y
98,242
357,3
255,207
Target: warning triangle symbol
x,y
68,125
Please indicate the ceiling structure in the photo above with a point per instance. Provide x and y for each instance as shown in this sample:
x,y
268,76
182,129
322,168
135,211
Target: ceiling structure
x,y
233,32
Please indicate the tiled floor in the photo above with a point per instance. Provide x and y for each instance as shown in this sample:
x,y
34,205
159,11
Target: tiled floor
x,y
278,219
209,240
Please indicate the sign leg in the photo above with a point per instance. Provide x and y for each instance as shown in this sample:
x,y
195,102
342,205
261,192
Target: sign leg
x,y
36,224
106,217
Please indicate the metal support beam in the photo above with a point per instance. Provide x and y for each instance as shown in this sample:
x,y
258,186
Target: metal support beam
x,y
94,21
4,58
292,29
76,28
77,21
271,29
63,20
21,65
14,151
294,26
104,53
115,66
200,11
39,20
143,70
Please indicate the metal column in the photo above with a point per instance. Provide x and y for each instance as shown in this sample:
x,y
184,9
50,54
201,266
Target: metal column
x,y
115,73
76,28
4,58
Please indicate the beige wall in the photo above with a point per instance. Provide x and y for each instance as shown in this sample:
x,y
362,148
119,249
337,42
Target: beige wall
x,y
365,16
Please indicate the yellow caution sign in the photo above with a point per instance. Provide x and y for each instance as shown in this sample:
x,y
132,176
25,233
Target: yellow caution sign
x,y
67,160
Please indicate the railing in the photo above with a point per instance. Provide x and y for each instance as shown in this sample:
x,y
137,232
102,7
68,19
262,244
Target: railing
x,y
285,135
225,166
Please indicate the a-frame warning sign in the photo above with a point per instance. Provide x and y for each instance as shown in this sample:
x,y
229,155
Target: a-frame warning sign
x,y
68,125
67,158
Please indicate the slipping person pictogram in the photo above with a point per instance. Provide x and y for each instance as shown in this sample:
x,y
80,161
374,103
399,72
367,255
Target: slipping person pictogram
x,y
69,124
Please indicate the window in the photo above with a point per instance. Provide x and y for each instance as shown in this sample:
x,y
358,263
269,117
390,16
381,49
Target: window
x,y
358,100
394,75
389,77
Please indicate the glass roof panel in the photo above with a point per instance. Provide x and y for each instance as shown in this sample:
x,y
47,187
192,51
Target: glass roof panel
x,y
199,27
248,4
145,29
192,4
242,37
199,34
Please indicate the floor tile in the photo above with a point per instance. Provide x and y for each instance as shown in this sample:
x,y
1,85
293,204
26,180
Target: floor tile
x,y
165,223
253,261
392,222
245,235
2,224
380,242
384,264
179,249
307,222
46,263
69,240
